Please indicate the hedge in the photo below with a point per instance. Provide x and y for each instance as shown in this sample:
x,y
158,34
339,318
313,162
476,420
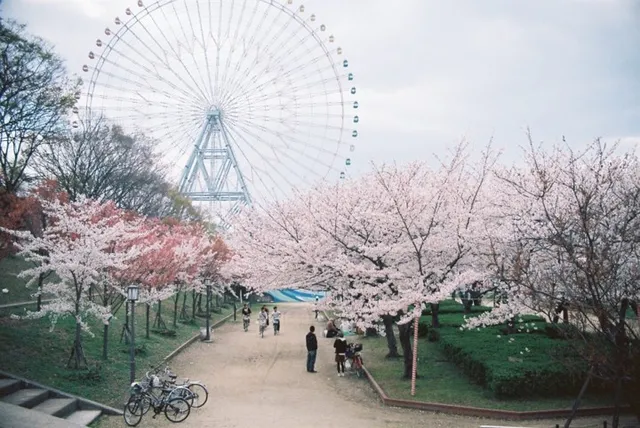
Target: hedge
x,y
523,364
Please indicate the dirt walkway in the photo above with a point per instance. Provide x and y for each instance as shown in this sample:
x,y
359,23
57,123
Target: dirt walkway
x,y
263,382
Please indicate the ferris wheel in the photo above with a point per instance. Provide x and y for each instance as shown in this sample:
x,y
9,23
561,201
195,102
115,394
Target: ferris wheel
x,y
248,98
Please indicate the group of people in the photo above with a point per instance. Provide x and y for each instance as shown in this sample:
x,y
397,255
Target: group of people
x,y
263,319
339,346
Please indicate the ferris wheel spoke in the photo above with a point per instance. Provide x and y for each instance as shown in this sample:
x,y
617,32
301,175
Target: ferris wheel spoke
x,y
205,50
289,147
256,72
195,40
258,27
234,39
285,135
280,48
254,169
295,89
252,74
164,61
176,54
144,80
275,167
296,121
218,47
136,86
276,78
148,105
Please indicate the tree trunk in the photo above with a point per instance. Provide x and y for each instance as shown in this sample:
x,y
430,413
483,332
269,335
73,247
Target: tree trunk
x,y
175,309
200,303
387,320
39,298
615,423
576,403
77,359
193,304
105,341
435,320
183,311
159,322
147,316
125,328
404,331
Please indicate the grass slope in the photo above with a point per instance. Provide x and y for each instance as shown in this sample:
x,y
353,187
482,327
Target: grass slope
x,y
31,350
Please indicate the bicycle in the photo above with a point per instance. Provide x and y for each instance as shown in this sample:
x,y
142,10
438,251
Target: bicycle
x,y
199,393
142,399
353,353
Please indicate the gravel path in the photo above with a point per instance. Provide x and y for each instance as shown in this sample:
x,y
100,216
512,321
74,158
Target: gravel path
x,y
263,382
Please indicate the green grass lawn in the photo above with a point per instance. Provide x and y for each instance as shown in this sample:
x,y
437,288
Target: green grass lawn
x,y
442,382
29,349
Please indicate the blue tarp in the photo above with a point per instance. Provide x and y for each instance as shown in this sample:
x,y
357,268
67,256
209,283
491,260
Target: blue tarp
x,y
294,295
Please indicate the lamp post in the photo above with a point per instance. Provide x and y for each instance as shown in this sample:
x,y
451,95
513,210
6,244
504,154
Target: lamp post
x,y
207,283
132,296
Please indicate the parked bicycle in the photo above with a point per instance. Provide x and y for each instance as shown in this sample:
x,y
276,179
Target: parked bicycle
x,y
199,393
143,398
355,358
160,390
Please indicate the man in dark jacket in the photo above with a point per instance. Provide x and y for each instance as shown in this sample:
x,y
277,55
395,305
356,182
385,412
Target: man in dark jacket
x,y
312,349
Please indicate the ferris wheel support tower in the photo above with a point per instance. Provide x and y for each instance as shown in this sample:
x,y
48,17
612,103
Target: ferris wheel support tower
x,y
214,163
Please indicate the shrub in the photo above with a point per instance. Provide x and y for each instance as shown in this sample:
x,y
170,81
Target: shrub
x,y
522,365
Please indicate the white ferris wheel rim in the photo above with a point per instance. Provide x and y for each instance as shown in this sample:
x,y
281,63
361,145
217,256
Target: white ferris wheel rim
x,y
290,127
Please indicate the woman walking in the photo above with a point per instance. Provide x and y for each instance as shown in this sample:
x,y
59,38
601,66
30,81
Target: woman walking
x,y
262,321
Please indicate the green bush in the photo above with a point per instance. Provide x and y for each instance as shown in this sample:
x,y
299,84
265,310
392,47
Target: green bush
x,y
518,365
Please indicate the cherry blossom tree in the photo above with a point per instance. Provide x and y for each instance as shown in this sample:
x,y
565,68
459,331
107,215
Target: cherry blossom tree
x,y
565,232
382,245
78,245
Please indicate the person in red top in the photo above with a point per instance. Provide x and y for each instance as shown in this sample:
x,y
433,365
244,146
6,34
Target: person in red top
x,y
340,346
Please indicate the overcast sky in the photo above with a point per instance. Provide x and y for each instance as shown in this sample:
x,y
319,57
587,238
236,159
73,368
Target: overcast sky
x,y
430,72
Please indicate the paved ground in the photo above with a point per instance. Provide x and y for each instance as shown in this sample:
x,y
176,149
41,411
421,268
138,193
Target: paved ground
x,y
263,382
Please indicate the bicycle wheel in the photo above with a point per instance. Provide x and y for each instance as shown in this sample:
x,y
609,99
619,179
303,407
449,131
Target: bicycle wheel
x,y
182,392
359,369
201,395
133,411
177,410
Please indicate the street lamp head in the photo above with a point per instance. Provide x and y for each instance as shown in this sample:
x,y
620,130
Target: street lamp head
x,y
207,282
132,292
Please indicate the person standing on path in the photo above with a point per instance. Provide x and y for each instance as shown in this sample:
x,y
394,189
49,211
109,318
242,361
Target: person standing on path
x,y
312,349
340,346
316,305
276,320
